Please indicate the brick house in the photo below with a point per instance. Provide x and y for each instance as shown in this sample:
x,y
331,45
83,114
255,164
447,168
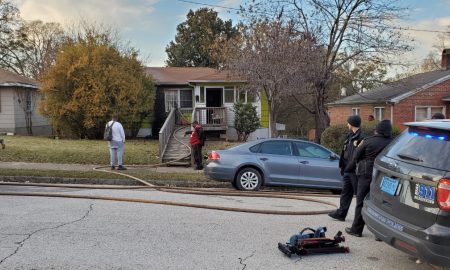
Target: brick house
x,y
415,98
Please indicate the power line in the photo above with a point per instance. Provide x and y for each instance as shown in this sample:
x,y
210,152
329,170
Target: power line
x,y
392,27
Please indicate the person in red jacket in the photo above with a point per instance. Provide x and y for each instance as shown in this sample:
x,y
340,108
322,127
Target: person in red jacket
x,y
197,141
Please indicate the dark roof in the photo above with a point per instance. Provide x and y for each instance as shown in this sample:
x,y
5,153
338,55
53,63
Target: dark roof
x,y
184,75
396,91
8,78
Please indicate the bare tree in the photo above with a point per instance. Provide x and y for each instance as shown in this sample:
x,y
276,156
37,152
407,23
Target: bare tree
x,y
276,60
27,99
347,29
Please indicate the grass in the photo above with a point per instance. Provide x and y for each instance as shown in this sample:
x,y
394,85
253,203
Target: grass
x,y
145,175
48,150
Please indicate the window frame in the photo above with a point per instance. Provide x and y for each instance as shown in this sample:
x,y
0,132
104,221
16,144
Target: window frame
x,y
356,111
382,109
293,152
229,88
429,114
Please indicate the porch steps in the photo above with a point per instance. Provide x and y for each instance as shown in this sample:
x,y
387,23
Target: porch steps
x,y
176,150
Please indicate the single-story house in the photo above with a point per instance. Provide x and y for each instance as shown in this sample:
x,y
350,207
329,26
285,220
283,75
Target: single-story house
x,y
19,98
206,95
415,98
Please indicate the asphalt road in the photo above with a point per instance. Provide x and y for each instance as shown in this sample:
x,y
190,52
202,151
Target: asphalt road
x,y
55,233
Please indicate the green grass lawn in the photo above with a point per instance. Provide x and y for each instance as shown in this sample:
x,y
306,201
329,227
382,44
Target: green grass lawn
x,y
47,150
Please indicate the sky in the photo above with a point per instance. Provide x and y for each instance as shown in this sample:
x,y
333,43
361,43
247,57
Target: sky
x,y
149,25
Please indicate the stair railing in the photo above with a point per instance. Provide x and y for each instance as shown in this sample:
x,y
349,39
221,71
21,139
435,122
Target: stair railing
x,y
166,132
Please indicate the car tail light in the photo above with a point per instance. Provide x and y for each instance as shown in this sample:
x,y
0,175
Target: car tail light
x,y
443,194
213,156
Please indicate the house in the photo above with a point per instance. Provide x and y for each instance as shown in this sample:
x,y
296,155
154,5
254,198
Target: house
x,y
19,98
206,95
415,98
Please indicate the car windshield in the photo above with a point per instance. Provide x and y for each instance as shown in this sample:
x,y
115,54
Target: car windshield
x,y
424,147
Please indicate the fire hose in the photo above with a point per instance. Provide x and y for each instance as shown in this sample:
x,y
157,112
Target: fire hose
x,y
193,191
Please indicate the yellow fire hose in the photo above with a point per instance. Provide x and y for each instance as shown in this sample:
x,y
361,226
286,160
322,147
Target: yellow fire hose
x,y
195,191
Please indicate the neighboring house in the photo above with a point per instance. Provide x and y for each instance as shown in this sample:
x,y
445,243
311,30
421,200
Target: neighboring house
x,y
206,95
19,98
415,98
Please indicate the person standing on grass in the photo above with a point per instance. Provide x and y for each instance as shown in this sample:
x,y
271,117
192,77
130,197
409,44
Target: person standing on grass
x,y
116,145
196,141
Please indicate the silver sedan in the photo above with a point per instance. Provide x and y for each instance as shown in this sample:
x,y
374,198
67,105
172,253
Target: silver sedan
x,y
276,162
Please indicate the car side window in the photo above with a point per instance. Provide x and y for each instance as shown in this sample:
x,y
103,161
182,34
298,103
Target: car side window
x,y
311,150
277,148
255,148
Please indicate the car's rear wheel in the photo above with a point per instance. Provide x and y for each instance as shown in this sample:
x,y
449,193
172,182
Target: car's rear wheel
x,y
249,179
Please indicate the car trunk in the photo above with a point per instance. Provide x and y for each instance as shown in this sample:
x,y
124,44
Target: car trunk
x,y
407,174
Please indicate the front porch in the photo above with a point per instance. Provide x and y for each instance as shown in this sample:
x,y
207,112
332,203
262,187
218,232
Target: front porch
x,y
211,118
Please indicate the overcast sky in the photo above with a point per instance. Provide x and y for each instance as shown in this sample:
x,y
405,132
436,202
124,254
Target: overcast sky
x,y
150,25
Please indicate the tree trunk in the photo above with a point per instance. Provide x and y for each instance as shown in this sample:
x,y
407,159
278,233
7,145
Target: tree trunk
x,y
321,116
272,121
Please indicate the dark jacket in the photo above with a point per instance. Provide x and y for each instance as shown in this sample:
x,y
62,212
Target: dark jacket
x,y
367,151
351,142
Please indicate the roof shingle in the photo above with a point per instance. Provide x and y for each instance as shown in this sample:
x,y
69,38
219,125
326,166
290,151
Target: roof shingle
x,y
8,78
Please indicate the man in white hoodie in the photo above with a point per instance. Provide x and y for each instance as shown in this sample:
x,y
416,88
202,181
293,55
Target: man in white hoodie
x,y
116,145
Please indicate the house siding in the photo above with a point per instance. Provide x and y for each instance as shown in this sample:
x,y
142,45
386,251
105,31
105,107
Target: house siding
x,y
12,116
339,114
7,123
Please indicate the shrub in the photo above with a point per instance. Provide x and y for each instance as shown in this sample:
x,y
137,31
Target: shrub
x,y
333,137
246,120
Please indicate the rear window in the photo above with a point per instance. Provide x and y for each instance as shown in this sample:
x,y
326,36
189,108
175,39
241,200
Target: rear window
x,y
424,147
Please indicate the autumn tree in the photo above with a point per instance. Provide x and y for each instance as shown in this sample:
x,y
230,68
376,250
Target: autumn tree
x,y
92,79
195,41
346,30
275,60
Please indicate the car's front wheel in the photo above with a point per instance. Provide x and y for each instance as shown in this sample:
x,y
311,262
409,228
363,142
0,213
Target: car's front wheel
x,y
249,179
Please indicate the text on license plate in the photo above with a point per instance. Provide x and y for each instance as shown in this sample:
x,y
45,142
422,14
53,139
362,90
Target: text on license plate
x,y
389,185
424,193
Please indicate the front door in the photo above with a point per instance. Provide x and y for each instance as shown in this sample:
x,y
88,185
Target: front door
x,y
213,97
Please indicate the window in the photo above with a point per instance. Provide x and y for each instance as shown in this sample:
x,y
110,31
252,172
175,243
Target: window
x,y
424,112
355,111
241,96
202,94
277,148
251,97
378,113
178,99
171,98
229,94
185,98
311,150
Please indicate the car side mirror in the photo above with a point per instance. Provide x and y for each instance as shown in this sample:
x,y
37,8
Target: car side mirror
x,y
333,157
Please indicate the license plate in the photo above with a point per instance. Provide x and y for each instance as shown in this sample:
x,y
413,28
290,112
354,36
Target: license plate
x,y
389,185
425,193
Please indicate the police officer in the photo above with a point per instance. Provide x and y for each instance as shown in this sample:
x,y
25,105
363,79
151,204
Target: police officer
x,y
349,177
364,159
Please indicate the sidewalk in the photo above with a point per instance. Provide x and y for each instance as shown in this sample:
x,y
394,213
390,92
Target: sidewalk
x,y
80,167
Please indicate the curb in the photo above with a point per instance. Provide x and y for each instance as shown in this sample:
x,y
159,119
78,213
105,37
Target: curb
x,y
122,182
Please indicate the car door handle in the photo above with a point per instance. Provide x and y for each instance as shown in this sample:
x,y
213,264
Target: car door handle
x,y
304,162
263,159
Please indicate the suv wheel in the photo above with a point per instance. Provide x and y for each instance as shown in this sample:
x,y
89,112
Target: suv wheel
x,y
249,179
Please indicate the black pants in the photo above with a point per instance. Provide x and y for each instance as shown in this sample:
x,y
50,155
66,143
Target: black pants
x,y
197,153
348,190
363,190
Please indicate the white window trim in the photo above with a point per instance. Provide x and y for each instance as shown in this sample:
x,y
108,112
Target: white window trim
x,y
428,110
375,113
178,101
234,94
357,109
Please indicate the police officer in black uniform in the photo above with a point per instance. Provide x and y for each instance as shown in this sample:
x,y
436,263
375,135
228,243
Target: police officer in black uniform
x,y
349,177
364,159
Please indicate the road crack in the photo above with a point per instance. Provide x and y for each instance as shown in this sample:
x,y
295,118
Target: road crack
x,y
28,236
241,261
